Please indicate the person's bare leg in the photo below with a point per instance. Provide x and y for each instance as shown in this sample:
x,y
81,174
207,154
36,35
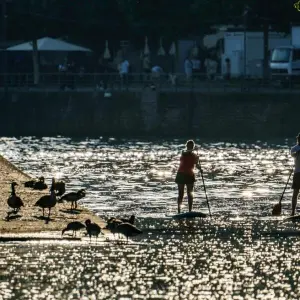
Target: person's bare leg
x,y
180,196
190,194
294,201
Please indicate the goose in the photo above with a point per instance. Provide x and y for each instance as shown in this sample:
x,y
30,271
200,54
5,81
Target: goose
x,y
130,220
14,201
75,226
126,229
40,185
29,183
60,188
73,197
47,201
112,224
92,229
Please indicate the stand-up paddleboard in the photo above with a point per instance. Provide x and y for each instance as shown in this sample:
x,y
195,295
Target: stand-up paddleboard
x,y
189,215
293,218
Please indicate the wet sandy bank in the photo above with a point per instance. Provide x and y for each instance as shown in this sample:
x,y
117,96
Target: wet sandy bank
x,y
28,221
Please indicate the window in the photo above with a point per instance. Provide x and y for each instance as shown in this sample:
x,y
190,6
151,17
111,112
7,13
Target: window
x,y
296,54
281,55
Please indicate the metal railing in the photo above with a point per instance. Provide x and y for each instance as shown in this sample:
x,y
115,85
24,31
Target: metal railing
x,y
136,81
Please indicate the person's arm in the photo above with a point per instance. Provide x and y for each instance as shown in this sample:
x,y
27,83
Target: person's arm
x,y
295,150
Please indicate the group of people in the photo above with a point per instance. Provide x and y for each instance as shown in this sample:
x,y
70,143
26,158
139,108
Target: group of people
x,y
189,160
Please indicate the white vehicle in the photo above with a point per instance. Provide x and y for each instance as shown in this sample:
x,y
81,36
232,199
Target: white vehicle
x,y
285,63
285,60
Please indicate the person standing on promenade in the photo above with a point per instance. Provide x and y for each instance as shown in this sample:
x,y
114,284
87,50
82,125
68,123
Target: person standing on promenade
x,y
295,151
185,174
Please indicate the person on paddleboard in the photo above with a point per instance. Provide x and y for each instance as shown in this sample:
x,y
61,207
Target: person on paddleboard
x,y
295,151
185,174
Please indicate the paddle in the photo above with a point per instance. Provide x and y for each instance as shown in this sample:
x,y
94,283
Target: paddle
x,y
277,207
204,187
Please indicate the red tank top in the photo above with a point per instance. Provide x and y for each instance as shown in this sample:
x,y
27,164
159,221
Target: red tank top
x,y
188,161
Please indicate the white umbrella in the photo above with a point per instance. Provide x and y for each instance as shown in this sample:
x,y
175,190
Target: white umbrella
x,y
48,44
172,50
106,53
161,51
146,49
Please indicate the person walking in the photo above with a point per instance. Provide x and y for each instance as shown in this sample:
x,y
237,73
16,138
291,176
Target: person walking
x,y
185,175
295,151
188,68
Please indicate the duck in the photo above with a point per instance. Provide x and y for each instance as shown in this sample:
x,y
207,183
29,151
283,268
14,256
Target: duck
x,y
92,229
60,188
126,229
47,201
14,201
30,183
74,226
40,185
73,197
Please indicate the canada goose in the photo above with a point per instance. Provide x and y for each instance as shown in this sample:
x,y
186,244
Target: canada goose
x,y
73,197
126,229
30,183
47,201
40,185
112,224
75,226
130,220
92,229
14,201
60,188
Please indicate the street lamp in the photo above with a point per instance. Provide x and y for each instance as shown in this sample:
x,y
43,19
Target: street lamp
x,y
246,10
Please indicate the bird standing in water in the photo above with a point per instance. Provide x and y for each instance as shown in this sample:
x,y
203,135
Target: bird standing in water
x,y
47,201
74,226
126,229
14,201
92,229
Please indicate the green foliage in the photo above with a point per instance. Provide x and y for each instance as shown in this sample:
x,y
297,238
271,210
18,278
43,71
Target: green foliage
x,y
94,20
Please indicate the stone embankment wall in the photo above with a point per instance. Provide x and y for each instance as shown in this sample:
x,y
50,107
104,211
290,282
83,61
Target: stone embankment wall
x,y
150,113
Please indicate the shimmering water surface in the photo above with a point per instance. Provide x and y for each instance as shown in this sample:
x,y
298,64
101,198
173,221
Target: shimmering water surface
x,y
241,253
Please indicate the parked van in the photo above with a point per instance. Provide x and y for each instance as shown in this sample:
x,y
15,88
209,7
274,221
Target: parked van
x,y
285,60
285,64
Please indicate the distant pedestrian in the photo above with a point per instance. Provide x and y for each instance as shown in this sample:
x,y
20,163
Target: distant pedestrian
x,y
188,68
196,67
62,69
124,71
211,68
146,67
227,69
156,73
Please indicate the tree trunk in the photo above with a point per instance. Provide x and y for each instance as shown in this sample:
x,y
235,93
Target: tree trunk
x,y
266,49
35,60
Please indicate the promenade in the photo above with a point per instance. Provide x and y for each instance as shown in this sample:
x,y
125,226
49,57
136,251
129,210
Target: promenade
x,y
28,222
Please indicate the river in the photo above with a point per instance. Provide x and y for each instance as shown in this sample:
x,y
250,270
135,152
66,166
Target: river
x,y
240,253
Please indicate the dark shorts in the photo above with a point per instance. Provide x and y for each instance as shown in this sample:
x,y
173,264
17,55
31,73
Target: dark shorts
x,y
296,181
182,178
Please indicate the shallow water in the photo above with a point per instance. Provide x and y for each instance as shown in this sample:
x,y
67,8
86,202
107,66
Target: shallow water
x,y
241,253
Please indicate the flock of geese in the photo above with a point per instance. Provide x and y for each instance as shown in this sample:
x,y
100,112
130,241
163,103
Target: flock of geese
x,y
125,227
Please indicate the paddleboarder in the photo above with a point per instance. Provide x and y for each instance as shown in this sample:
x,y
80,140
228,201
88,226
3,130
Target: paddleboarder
x,y
296,178
185,174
